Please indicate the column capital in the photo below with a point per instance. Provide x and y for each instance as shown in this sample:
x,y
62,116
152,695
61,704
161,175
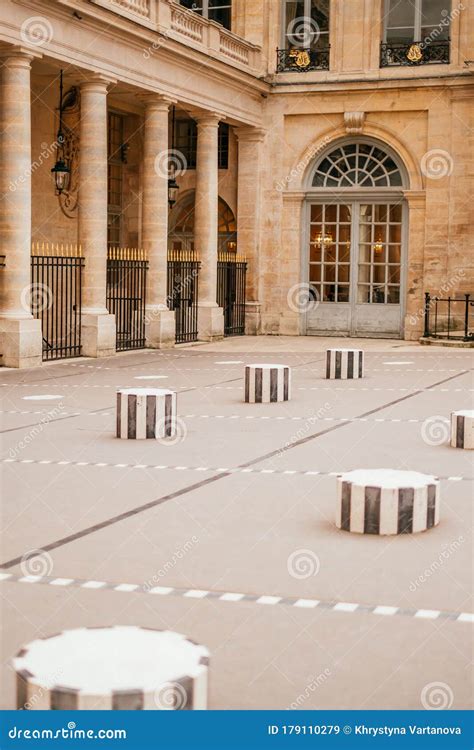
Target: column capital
x,y
249,133
206,117
97,82
153,100
19,56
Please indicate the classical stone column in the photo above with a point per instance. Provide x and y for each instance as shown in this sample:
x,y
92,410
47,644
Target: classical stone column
x,y
98,326
248,218
159,321
210,316
20,333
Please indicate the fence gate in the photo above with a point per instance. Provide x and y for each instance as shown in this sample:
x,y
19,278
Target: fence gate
x,y
126,295
55,298
231,272
183,277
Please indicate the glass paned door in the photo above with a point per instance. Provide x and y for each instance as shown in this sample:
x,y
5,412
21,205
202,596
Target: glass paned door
x,y
355,267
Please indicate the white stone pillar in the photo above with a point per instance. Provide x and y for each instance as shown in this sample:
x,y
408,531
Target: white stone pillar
x,y
248,218
98,326
210,316
20,333
159,321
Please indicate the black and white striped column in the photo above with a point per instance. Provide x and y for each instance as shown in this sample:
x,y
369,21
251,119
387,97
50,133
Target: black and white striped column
x,y
110,669
267,383
387,501
344,364
146,413
462,429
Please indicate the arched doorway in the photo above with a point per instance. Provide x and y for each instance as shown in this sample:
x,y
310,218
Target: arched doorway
x,y
181,225
354,260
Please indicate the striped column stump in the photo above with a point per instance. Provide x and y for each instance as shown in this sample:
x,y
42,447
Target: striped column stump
x,y
462,429
344,364
112,668
146,413
387,501
267,383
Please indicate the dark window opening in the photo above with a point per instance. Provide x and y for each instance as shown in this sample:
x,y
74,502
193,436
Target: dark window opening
x,y
219,11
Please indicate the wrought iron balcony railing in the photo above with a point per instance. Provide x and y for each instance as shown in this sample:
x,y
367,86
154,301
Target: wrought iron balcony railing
x,y
302,59
415,53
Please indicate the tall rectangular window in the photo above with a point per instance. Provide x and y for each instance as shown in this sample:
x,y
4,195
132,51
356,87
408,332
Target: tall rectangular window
x,y
115,178
408,21
186,142
215,10
306,24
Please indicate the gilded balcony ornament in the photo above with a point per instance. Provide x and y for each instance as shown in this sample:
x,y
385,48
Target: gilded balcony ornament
x,y
414,53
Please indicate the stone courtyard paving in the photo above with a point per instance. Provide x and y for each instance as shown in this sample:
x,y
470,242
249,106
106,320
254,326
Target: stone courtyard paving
x,y
228,537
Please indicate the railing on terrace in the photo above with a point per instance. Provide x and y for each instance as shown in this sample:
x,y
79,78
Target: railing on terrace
x,y
415,53
302,59
173,21
449,317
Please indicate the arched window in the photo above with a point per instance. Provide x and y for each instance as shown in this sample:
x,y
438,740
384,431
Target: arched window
x,y
361,165
181,225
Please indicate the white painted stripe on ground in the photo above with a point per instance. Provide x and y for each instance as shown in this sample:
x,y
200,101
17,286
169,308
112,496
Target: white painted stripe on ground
x,y
383,610
161,590
466,617
345,607
428,614
216,470
93,585
231,597
196,594
268,599
61,582
307,603
126,587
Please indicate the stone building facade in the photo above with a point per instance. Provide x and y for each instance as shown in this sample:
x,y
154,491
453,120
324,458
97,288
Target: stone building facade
x,y
329,143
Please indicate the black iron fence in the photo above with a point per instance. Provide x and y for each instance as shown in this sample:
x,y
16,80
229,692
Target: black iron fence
x,y
302,59
231,273
126,295
414,53
55,298
449,317
182,294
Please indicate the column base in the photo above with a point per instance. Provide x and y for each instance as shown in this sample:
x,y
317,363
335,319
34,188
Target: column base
x,y
210,323
253,322
160,328
21,342
98,335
